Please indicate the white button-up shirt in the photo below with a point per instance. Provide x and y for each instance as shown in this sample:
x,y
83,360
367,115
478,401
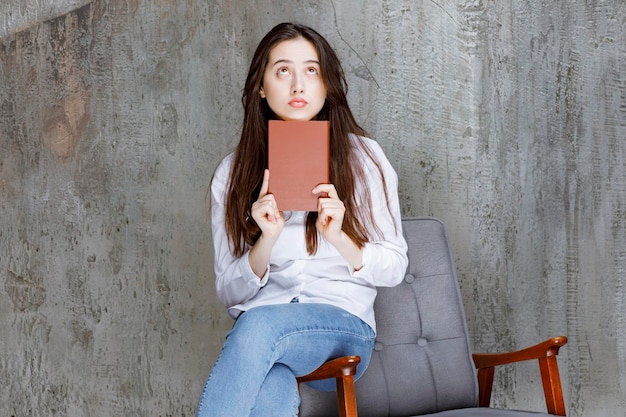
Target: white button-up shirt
x,y
324,277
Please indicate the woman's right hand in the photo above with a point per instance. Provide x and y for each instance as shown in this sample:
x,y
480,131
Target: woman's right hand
x,y
265,211
271,221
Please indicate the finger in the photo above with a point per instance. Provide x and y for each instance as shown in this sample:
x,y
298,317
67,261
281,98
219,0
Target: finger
x,y
322,218
273,214
329,189
330,209
265,207
265,185
330,204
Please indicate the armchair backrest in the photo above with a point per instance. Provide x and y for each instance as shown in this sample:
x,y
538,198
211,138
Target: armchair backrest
x,y
422,359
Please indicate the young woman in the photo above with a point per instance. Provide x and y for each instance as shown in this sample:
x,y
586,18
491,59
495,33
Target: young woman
x,y
301,286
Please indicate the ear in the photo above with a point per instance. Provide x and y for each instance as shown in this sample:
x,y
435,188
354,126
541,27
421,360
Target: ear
x,y
261,92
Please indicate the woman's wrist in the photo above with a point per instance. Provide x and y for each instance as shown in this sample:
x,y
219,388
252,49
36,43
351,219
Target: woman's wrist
x,y
349,250
259,255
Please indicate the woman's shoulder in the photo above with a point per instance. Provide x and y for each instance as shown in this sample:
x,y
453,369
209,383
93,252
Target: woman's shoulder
x,y
373,158
223,168
222,172
369,147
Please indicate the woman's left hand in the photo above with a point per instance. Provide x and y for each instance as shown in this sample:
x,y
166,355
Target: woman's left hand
x,y
330,213
329,223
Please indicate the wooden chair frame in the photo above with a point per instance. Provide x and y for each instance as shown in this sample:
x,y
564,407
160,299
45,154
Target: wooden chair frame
x,y
343,370
545,352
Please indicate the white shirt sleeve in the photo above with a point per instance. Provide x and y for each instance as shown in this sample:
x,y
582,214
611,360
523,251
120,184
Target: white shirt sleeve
x,y
385,258
235,281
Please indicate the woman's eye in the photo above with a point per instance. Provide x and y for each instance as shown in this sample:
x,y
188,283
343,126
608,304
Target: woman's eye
x,y
312,71
282,71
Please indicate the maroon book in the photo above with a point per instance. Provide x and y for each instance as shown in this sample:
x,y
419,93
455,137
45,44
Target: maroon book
x,y
298,160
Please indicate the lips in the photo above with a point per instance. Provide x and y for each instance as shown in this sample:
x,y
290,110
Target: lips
x,y
298,103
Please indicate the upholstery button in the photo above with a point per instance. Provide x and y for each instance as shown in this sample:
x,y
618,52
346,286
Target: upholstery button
x,y
422,341
378,346
409,278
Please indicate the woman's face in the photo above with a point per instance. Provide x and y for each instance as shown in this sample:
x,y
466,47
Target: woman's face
x,y
292,82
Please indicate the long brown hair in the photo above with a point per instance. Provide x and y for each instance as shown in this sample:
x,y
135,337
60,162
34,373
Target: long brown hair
x,y
250,157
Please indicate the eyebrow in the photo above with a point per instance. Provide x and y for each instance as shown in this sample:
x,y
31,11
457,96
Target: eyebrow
x,y
289,61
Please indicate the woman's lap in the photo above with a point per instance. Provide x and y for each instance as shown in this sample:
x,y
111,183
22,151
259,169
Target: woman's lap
x,y
299,336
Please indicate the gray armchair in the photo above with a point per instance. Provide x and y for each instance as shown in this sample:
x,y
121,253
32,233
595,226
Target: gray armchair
x,y
422,364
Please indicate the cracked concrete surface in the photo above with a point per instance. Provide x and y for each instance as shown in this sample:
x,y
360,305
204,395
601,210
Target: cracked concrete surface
x,y
505,119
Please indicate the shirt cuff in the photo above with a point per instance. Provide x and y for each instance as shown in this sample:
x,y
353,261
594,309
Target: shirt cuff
x,y
366,263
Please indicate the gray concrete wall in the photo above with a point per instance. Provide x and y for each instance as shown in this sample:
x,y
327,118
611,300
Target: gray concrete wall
x,y
506,119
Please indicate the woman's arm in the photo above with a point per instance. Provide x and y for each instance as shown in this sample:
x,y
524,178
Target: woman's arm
x,y
384,259
271,222
239,279
331,211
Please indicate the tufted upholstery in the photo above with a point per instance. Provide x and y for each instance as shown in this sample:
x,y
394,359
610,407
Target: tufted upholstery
x,y
422,360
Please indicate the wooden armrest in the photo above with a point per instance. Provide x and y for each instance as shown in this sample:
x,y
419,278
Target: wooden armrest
x,y
334,368
545,352
343,370
544,349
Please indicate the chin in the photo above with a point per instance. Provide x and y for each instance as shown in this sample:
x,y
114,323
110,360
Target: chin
x,y
297,118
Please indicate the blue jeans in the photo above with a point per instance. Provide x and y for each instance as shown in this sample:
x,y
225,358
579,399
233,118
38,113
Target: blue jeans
x,y
255,374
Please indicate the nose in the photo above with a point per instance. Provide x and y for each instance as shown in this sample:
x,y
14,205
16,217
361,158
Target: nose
x,y
298,84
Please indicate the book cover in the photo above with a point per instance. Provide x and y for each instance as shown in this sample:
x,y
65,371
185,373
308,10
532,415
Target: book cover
x,y
298,160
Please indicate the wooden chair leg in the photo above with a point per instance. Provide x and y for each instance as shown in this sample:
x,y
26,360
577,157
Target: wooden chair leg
x,y
485,385
552,385
346,396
